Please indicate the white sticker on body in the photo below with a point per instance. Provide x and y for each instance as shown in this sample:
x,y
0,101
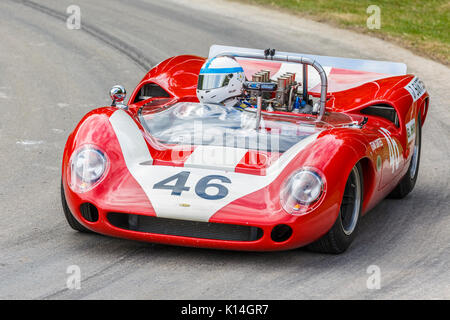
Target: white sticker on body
x,y
416,88
375,144
411,130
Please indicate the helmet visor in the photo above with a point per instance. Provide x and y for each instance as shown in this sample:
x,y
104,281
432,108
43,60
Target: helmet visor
x,y
213,81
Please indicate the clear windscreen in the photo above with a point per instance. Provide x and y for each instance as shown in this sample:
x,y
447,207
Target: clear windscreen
x,y
188,123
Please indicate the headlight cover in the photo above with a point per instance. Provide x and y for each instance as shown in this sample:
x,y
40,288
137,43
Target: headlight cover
x,y
302,191
87,166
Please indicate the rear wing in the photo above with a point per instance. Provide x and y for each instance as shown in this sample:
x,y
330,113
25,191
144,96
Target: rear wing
x,y
383,67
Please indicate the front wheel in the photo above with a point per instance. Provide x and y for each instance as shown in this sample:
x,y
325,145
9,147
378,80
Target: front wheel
x,y
343,232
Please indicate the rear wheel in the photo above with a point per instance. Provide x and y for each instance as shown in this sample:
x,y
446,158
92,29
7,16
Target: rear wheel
x,y
341,235
406,185
73,223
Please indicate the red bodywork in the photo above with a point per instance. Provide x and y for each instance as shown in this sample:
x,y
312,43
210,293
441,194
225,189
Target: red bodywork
x,y
334,153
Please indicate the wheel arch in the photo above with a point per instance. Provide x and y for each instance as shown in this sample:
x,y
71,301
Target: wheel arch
x,y
352,151
369,180
423,109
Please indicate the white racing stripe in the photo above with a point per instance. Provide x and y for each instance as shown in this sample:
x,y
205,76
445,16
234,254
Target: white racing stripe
x,y
190,203
132,143
215,158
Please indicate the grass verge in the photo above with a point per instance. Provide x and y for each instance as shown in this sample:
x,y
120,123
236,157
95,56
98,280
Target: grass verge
x,y
422,26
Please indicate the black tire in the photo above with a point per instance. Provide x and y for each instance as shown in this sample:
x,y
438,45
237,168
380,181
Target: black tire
x,y
406,185
73,223
344,230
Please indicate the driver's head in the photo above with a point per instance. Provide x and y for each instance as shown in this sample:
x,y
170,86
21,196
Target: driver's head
x,y
220,79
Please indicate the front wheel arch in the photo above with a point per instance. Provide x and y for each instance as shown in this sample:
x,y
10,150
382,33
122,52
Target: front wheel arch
x,y
408,182
345,228
369,179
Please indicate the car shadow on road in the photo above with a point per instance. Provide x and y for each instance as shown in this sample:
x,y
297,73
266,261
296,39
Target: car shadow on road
x,y
380,233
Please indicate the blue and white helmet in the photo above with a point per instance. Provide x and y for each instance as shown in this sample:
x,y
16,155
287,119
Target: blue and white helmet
x,y
220,81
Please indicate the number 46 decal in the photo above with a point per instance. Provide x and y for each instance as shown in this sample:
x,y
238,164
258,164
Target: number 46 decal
x,y
204,183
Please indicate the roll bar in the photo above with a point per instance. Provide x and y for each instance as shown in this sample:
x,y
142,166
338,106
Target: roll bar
x,y
270,54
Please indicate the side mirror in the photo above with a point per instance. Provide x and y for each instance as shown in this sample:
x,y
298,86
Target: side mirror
x,y
118,94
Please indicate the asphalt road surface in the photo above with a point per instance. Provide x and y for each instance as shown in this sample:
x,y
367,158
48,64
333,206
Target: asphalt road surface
x,y
51,76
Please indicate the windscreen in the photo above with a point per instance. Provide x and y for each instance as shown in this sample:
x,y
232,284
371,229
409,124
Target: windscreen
x,y
188,123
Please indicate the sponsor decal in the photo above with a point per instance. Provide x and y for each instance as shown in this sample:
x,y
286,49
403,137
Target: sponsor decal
x,y
179,185
416,88
411,130
185,205
378,163
378,143
394,152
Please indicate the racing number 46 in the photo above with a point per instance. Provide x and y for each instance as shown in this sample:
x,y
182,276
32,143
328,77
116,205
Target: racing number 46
x,y
201,187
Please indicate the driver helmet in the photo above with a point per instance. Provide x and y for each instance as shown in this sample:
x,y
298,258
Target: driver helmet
x,y
220,80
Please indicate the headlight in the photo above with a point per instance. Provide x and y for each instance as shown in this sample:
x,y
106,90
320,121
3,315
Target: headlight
x,y
86,168
301,191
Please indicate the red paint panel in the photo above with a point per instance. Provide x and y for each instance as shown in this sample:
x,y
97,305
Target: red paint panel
x,y
256,162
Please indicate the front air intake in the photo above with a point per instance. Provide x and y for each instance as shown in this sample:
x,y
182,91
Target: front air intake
x,y
184,228
89,212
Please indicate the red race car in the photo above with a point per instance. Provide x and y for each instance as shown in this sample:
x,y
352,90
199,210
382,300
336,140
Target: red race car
x,y
246,150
